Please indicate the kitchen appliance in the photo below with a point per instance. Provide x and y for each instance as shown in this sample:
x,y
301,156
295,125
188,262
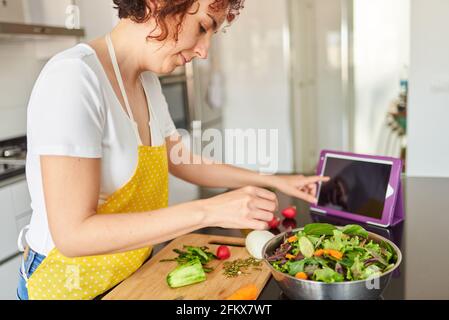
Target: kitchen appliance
x,y
12,157
176,92
149,282
15,211
298,289
15,201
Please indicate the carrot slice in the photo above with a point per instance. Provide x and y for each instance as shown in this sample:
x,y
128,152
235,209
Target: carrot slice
x,y
289,256
335,253
301,275
248,292
319,253
292,239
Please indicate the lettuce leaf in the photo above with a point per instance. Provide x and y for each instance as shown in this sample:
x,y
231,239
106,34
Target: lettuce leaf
x,y
355,230
319,229
327,275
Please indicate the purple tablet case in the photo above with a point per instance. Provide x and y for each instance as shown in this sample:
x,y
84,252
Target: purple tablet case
x,y
393,211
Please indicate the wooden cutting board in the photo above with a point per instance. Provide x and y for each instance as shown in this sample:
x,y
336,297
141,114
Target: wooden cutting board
x,y
149,282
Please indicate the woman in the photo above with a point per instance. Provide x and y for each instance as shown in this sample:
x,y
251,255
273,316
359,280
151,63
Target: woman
x,y
99,136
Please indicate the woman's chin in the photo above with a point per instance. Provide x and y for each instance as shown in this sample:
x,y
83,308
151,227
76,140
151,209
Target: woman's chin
x,y
168,69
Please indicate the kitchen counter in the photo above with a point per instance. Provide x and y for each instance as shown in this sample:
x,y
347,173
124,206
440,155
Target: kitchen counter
x,y
422,238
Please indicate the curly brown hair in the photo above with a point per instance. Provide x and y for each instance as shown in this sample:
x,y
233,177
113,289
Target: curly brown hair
x,y
139,11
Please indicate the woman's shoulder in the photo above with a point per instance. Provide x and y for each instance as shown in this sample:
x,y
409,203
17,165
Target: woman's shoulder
x,y
77,62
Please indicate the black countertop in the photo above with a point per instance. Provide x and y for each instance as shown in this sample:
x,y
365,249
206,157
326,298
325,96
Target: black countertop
x,y
423,239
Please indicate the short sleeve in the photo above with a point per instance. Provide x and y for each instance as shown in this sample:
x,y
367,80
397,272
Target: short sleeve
x,y
64,114
159,102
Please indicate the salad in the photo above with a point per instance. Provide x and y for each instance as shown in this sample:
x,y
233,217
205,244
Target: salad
x,y
323,252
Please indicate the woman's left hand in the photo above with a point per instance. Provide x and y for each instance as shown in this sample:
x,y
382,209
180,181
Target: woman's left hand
x,y
299,186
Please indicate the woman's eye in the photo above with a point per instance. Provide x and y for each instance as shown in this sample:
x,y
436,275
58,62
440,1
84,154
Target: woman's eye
x,y
202,29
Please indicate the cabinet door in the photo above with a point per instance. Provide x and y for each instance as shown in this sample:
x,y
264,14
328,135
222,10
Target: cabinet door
x,y
21,198
9,277
11,11
8,229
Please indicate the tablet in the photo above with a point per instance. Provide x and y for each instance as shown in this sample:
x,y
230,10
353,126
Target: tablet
x,y
362,188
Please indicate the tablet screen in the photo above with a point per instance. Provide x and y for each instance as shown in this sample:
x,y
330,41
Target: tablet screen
x,y
356,186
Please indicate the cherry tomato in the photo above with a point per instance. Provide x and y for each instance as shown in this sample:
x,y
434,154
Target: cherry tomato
x,y
289,212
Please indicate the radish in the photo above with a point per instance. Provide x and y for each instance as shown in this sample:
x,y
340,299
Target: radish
x,y
289,212
223,252
289,223
273,224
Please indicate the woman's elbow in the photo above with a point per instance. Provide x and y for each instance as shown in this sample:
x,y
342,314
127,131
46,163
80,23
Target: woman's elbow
x,y
66,245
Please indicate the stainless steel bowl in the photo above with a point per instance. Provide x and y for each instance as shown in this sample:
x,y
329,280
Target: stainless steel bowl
x,y
298,289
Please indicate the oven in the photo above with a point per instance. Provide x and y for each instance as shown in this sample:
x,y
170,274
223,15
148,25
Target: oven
x,y
12,157
175,88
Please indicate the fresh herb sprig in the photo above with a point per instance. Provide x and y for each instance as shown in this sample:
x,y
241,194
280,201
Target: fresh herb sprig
x,y
192,253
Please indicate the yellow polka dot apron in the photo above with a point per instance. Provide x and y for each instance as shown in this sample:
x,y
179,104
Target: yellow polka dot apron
x,y
59,277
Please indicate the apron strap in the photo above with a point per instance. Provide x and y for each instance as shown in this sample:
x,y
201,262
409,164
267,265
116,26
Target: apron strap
x,y
118,75
20,245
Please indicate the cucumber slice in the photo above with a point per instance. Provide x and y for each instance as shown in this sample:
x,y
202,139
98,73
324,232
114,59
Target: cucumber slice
x,y
306,247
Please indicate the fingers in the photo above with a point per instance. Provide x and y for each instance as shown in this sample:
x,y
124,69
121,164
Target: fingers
x,y
305,196
263,204
256,225
265,199
262,215
310,189
266,194
315,179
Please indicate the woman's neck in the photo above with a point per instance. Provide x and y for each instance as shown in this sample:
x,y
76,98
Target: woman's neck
x,y
128,39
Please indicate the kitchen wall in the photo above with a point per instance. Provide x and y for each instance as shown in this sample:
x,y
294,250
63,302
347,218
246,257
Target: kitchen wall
x,y
19,69
428,143
97,17
22,58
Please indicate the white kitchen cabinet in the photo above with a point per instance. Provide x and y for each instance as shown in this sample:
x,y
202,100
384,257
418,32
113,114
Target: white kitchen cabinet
x,y
9,277
15,213
20,198
8,228
11,11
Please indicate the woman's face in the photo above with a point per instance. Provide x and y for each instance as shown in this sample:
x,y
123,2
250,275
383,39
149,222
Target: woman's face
x,y
194,39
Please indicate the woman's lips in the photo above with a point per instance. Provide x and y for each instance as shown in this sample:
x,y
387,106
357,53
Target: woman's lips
x,y
183,58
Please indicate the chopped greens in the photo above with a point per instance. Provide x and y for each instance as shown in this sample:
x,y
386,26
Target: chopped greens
x,y
192,253
329,254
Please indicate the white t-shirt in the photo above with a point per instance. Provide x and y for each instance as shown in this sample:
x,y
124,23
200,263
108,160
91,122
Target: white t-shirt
x,y
73,111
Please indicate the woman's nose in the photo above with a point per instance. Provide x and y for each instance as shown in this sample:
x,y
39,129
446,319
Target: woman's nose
x,y
202,49
201,52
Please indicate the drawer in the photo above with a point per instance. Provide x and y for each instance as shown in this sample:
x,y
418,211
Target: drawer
x,y
20,198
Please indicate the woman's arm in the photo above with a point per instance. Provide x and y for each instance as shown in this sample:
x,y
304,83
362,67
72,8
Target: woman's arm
x,y
208,173
71,189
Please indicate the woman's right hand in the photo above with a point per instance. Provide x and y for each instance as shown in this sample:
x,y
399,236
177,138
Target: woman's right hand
x,y
245,208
